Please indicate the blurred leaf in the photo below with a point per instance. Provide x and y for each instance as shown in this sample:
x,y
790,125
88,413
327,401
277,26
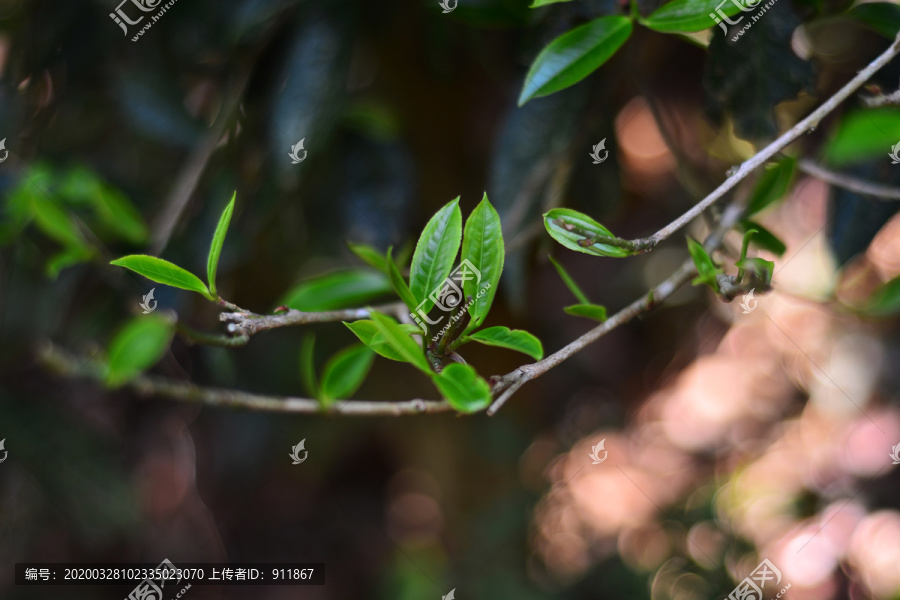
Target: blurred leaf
x,y
120,216
763,238
399,341
483,247
377,120
398,283
369,334
706,268
370,256
512,339
570,283
215,248
883,17
568,227
345,372
463,388
772,185
79,186
308,365
65,259
162,271
341,289
763,268
538,3
590,311
688,16
863,135
886,299
138,346
55,222
746,80
435,253
574,55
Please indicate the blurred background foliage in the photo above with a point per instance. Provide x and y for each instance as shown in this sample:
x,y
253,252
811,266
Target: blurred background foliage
x,y
731,436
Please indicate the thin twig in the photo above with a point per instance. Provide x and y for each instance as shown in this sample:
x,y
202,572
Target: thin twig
x,y
508,384
860,186
68,365
248,323
810,122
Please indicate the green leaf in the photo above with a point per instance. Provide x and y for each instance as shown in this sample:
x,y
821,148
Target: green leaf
x,y
55,222
863,135
763,268
345,372
435,253
772,185
398,283
569,227
483,247
370,256
706,268
215,248
368,334
138,346
463,388
399,341
591,311
886,299
340,289
574,55
162,271
308,366
513,339
763,238
570,283
538,3
688,16
883,17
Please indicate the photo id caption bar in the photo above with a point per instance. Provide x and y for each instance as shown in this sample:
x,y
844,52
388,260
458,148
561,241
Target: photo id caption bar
x,y
39,574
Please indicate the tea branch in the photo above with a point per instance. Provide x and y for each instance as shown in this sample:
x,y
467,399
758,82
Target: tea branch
x,y
245,323
761,157
69,365
509,384
848,182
